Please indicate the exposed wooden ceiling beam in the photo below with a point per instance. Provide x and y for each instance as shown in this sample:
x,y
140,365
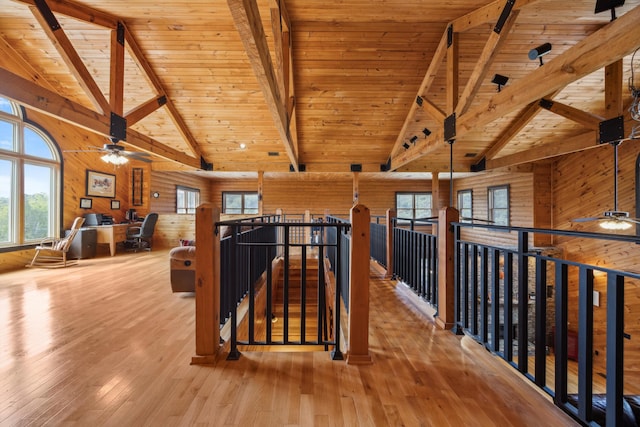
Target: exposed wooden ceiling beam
x,y
63,45
577,143
491,49
488,13
529,112
587,56
588,120
428,79
11,59
79,11
247,20
48,102
279,5
116,77
143,110
148,71
613,99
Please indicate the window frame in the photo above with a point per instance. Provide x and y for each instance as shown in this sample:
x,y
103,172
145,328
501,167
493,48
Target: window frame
x,y
413,209
462,208
491,191
187,209
19,161
243,208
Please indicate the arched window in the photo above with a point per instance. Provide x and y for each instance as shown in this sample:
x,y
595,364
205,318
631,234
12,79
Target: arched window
x,y
29,180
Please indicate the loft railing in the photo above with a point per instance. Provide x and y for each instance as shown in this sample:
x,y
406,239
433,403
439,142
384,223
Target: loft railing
x,y
515,301
415,256
339,240
378,246
251,254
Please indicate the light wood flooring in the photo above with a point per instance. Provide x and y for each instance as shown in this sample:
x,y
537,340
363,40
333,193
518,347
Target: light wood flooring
x,y
107,343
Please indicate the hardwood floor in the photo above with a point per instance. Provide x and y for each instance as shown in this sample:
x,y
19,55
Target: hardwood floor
x,y
107,343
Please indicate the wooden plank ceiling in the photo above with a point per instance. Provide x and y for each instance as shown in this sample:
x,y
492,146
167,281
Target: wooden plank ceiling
x,y
248,86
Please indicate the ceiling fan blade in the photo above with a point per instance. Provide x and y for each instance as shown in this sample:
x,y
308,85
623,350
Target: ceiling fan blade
x,y
633,220
586,219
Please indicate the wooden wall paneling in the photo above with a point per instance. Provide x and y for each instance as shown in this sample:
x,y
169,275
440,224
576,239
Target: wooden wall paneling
x,y
521,203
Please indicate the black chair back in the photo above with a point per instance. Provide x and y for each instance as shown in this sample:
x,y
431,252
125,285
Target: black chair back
x,y
148,225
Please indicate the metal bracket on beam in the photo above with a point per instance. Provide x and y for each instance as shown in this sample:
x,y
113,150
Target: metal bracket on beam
x,y
546,104
204,165
48,15
419,100
385,167
480,166
120,34
449,36
450,128
356,167
503,16
118,128
301,168
162,100
612,130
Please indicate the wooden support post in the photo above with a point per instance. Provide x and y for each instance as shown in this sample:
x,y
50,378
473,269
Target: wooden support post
x,y
207,285
358,346
445,318
356,190
307,230
260,191
391,213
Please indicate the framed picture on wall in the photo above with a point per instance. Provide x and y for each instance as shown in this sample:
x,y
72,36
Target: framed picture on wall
x,y
136,188
86,203
100,184
115,204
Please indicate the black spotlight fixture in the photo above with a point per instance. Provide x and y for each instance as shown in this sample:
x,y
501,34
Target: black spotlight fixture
x,y
406,145
604,5
539,52
500,80
426,132
413,139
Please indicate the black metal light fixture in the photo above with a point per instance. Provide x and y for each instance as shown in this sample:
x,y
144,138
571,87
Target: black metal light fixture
x,y
426,132
539,52
413,139
500,80
406,145
604,5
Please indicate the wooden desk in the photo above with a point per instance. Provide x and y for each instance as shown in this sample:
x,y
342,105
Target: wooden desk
x,y
112,234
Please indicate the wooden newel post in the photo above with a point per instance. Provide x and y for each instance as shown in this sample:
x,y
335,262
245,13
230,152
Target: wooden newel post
x,y
207,284
358,345
391,213
446,284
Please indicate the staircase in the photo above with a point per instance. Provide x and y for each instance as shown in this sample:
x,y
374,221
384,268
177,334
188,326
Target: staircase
x,y
292,304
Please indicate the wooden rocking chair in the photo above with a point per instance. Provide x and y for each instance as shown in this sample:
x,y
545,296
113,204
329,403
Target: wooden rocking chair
x,y
52,251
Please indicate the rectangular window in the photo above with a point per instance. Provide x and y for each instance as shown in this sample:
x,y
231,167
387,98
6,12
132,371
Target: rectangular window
x,y
499,205
413,205
465,205
187,199
38,218
243,202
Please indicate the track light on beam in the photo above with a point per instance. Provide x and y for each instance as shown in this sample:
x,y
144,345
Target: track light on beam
x,y
500,80
406,145
413,139
539,52
604,5
426,132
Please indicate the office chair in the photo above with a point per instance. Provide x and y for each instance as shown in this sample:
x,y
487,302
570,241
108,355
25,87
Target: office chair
x,y
140,237
52,251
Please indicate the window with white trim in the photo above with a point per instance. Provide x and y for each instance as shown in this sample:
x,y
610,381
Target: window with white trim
x,y
187,199
413,205
465,205
30,188
499,204
240,202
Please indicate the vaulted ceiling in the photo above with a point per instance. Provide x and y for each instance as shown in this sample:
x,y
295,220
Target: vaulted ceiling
x,y
314,85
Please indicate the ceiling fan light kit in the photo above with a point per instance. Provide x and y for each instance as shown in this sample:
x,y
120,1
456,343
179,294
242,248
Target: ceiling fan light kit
x,y
114,159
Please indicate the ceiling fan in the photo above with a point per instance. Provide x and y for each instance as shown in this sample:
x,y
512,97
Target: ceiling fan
x,y
613,219
115,154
